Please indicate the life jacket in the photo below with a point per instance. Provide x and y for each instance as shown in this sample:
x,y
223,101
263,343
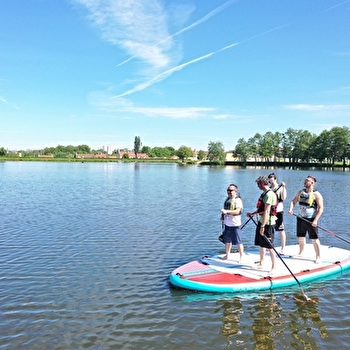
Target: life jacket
x,y
278,194
261,205
307,199
230,203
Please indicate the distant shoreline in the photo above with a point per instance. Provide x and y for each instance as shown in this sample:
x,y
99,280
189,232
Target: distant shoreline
x,y
241,164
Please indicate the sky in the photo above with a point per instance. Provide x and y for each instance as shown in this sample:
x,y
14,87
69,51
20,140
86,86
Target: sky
x,y
173,72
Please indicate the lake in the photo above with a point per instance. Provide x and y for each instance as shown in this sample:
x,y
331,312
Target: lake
x,y
87,248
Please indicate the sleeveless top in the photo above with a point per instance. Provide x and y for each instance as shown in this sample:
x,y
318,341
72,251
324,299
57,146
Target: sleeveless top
x,y
307,204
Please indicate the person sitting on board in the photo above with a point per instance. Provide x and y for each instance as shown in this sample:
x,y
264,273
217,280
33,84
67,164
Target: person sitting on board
x,y
231,216
310,210
264,233
281,193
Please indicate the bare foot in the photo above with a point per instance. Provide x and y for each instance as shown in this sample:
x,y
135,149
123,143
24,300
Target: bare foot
x,y
318,260
258,267
225,257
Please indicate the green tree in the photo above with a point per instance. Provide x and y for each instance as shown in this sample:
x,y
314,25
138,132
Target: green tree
x,y
320,148
340,143
216,152
201,155
184,152
242,149
83,149
137,145
3,152
253,145
288,143
266,146
146,149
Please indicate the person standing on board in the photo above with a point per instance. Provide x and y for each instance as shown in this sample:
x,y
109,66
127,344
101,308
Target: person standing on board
x,y
231,216
310,210
266,210
281,193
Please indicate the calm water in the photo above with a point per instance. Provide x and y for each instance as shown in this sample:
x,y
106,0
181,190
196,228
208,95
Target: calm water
x,y
86,251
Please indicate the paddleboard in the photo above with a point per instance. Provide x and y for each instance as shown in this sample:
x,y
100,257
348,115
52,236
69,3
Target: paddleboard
x,y
214,274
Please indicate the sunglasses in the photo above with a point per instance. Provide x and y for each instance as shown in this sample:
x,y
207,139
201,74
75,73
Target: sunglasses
x,y
230,190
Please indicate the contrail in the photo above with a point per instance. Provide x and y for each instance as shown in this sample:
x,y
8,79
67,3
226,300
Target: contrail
x,y
332,7
200,21
168,72
163,75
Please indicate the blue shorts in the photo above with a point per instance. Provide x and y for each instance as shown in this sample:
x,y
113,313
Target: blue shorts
x,y
232,234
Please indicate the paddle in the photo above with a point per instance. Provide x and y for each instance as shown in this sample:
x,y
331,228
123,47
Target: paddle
x,y
220,238
320,227
284,263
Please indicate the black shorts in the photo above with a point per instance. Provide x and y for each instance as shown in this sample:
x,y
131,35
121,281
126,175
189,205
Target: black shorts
x,y
269,233
279,221
305,226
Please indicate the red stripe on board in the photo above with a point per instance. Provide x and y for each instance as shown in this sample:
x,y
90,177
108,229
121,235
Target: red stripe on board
x,y
221,278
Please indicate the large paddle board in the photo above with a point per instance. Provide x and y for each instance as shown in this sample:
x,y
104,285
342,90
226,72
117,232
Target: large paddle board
x,y
214,274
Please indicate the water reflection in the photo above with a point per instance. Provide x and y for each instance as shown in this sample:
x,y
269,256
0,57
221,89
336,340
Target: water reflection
x,y
272,321
306,324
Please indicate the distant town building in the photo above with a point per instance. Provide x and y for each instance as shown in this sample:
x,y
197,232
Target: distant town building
x,y
109,148
93,156
131,154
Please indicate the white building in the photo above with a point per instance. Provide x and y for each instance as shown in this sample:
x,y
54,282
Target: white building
x,y
109,148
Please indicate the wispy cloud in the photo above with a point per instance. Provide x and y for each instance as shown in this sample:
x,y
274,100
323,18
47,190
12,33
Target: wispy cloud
x,y
103,102
191,26
337,5
140,28
170,71
2,99
134,25
316,108
173,113
162,76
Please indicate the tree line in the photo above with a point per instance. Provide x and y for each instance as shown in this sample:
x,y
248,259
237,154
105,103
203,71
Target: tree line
x,y
293,145
329,147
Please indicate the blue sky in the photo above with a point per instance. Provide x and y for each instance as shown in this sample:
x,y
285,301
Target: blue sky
x,y
174,72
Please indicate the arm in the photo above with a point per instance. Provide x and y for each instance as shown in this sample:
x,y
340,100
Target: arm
x,y
265,217
319,201
283,191
292,204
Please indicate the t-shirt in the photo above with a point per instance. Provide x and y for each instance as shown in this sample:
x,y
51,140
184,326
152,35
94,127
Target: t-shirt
x,y
269,198
234,220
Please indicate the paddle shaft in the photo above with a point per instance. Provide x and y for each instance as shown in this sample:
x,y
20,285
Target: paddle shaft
x,y
284,263
320,227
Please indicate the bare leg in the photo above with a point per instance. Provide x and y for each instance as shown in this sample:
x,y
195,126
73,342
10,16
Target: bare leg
x,y
283,240
228,247
240,249
317,246
262,256
273,260
302,241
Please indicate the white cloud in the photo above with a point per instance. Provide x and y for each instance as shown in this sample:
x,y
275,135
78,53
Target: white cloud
x,y
103,101
173,113
135,26
2,99
315,108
